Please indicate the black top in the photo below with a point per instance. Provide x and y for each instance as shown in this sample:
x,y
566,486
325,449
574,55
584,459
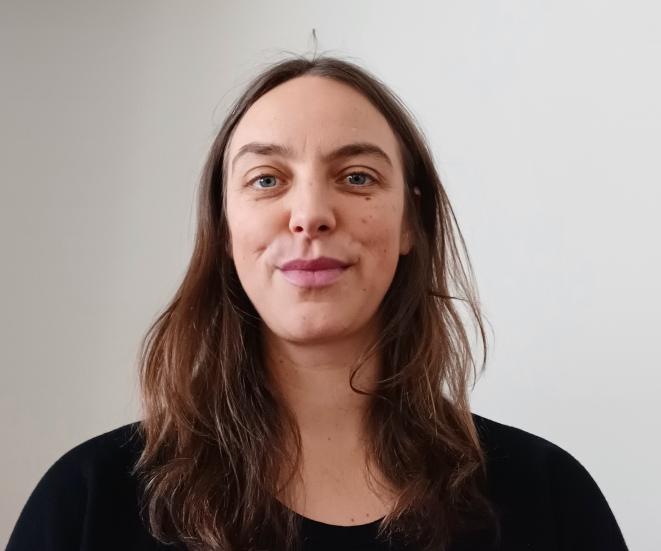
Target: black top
x,y
87,501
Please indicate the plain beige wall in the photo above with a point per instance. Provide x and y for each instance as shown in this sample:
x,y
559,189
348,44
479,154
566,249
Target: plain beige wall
x,y
544,119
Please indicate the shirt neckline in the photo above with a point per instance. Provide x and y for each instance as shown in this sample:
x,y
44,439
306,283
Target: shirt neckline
x,y
322,531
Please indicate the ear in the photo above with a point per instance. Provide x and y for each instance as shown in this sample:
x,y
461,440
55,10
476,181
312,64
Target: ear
x,y
406,239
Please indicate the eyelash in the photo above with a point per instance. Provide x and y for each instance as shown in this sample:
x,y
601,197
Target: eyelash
x,y
359,173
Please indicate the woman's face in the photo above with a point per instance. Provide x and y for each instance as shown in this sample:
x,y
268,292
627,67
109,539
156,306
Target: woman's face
x,y
313,170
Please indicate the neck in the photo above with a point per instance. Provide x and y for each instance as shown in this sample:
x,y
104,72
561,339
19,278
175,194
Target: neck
x,y
313,380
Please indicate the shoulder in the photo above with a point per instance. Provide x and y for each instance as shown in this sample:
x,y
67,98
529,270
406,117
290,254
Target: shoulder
x,y
525,462
117,447
87,498
533,461
103,460
507,444
541,488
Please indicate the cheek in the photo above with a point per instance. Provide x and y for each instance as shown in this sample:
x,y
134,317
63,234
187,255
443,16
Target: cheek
x,y
379,240
249,232
249,237
247,242
381,235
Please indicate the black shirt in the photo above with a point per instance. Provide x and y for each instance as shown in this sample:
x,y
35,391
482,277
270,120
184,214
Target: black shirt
x,y
88,501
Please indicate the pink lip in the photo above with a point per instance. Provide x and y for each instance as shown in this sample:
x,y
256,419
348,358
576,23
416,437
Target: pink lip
x,y
318,272
321,263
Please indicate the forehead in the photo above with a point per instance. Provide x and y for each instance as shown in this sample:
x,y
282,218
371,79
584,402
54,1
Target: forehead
x,y
312,115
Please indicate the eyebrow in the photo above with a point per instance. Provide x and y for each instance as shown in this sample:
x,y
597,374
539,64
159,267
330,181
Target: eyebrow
x,y
343,152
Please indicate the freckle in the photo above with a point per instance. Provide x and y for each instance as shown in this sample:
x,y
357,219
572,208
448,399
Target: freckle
x,y
363,220
365,290
368,198
352,519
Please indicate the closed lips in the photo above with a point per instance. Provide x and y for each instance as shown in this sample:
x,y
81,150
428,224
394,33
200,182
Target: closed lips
x,y
317,264
314,274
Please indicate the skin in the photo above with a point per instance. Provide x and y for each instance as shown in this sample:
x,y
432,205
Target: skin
x,y
306,205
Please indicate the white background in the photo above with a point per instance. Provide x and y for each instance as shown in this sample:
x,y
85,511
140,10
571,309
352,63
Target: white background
x,y
544,120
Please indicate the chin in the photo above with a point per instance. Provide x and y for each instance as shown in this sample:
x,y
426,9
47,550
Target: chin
x,y
315,323
311,335
306,329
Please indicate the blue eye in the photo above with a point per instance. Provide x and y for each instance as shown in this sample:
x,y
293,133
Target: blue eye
x,y
361,175
268,179
355,179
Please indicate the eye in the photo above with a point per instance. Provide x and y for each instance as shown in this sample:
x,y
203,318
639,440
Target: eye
x,y
263,181
360,179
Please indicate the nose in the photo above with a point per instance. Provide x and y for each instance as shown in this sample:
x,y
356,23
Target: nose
x,y
312,213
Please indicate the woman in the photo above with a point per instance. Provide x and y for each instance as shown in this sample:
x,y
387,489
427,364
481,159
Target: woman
x,y
308,384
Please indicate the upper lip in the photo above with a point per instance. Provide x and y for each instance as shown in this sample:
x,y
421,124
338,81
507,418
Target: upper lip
x,y
321,263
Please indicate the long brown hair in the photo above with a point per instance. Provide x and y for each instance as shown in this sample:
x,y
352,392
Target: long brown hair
x,y
214,432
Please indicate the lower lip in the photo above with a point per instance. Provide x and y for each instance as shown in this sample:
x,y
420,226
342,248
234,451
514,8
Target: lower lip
x,y
313,278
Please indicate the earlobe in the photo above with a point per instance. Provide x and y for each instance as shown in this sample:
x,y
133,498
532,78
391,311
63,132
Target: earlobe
x,y
406,243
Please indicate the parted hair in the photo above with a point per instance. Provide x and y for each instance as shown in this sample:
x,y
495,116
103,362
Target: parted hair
x,y
219,445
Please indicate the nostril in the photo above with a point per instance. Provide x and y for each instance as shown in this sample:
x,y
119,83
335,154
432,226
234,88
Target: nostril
x,y
320,228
